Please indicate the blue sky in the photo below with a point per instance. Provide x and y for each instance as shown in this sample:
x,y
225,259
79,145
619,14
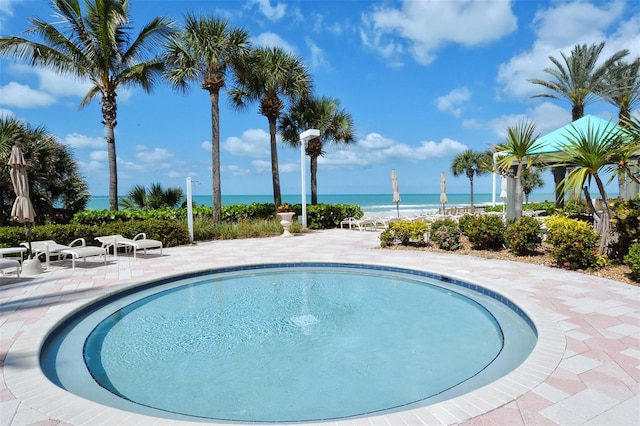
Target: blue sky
x,y
423,80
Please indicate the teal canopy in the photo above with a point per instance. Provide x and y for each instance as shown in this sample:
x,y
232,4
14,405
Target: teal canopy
x,y
552,142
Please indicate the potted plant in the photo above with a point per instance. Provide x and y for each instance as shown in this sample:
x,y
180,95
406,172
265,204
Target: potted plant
x,y
285,212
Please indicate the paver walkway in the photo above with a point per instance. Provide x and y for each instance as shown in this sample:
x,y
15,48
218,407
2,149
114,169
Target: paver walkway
x,y
590,365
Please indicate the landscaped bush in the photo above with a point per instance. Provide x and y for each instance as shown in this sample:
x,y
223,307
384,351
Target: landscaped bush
x,y
548,207
170,232
405,232
445,234
484,231
523,236
205,229
626,223
632,260
574,243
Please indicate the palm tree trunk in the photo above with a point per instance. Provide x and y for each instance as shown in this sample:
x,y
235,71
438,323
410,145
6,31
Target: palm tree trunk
x,y
277,196
313,165
604,226
215,155
471,189
109,111
518,199
558,176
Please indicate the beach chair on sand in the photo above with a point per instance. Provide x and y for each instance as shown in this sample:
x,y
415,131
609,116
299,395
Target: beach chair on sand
x,y
139,242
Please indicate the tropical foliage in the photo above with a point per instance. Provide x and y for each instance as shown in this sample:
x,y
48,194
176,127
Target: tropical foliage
x,y
531,178
519,148
155,197
203,52
335,126
97,47
471,163
57,190
273,78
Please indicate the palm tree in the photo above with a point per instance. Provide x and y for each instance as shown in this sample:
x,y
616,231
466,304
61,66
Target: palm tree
x,y
519,147
272,77
587,153
470,163
155,198
531,179
621,88
57,190
335,125
204,51
577,80
97,47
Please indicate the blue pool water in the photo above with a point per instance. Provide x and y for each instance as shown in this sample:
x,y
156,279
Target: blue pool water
x,y
288,344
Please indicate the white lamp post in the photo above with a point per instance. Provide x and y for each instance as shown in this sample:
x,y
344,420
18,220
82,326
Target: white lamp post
x,y
305,137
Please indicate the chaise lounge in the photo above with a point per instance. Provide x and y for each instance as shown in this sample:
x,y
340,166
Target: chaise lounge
x,y
139,242
10,263
77,249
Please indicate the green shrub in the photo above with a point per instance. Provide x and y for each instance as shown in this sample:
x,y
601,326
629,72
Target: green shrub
x,y
632,260
626,222
548,207
445,234
484,231
405,232
523,236
574,243
170,232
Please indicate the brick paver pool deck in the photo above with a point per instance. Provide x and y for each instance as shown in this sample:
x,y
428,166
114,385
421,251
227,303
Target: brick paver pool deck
x,y
584,370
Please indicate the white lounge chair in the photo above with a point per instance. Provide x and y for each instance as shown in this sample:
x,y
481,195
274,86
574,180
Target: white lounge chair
x,y
365,223
10,263
139,242
77,249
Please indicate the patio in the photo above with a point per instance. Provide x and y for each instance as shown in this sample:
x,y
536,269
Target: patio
x,y
588,371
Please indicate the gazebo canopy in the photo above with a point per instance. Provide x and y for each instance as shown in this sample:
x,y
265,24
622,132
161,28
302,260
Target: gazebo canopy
x,y
551,142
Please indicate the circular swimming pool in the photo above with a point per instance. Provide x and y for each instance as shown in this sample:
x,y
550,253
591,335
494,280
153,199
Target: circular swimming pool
x,y
288,343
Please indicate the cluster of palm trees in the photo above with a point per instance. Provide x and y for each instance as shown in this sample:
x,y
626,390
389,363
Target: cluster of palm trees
x,y
587,154
93,42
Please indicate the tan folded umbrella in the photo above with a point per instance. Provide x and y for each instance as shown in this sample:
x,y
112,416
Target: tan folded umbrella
x,y
443,191
22,209
396,193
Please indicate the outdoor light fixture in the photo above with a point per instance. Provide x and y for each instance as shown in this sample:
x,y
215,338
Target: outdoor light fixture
x,y
305,137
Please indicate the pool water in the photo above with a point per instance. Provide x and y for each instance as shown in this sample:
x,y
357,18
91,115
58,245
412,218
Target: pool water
x,y
290,345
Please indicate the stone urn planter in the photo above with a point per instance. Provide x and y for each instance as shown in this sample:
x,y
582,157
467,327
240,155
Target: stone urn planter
x,y
286,219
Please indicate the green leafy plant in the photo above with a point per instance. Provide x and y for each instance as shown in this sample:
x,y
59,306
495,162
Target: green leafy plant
x,y
632,260
626,223
484,231
404,232
445,234
574,243
523,236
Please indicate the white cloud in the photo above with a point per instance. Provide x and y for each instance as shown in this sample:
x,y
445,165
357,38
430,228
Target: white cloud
x,y
273,13
270,39
453,101
21,96
236,170
158,156
547,117
261,166
6,12
54,83
376,149
78,141
6,113
99,156
558,29
252,143
318,57
206,145
426,27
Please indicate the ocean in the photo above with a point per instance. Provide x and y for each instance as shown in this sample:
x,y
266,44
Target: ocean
x,y
371,204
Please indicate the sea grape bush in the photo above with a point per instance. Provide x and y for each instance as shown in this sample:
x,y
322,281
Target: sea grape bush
x,y
574,243
632,260
405,232
484,231
523,236
445,234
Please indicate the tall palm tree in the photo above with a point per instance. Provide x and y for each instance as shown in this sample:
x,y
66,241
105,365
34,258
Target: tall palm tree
x,y
272,77
621,88
519,148
97,47
531,179
204,51
470,163
577,79
587,153
335,125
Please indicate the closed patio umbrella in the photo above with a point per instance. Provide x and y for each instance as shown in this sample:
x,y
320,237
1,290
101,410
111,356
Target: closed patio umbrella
x,y
396,193
22,209
443,191
503,192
